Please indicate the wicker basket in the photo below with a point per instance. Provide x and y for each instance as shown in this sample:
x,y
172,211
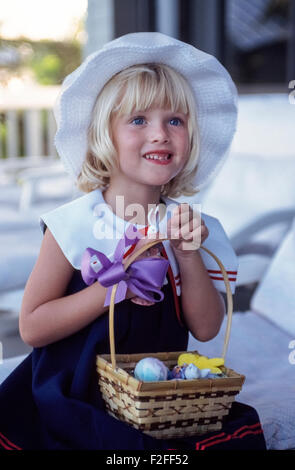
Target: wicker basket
x,y
170,408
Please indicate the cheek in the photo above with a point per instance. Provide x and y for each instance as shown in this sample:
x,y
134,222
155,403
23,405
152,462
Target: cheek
x,y
185,143
129,140
122,142
127,151
183,140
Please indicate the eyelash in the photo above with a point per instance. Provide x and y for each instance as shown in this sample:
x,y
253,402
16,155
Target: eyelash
x,y
136,119
142,118
177,119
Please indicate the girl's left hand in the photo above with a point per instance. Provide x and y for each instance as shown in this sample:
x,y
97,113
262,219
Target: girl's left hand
x,y
186,230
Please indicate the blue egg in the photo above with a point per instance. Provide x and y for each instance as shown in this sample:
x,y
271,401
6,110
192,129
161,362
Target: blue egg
x,y
192,372
150,369
204,373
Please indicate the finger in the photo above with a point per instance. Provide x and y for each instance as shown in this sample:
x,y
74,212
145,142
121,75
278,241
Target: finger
x,y
184,233
181,216
194,224
204,232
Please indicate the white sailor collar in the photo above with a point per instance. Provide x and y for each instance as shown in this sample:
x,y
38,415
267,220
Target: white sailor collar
x,y
88,222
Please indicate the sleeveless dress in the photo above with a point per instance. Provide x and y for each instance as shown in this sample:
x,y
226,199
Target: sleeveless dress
x,y
52,399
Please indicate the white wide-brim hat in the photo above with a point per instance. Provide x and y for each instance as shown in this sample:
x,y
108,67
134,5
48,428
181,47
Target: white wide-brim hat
x,y
213,88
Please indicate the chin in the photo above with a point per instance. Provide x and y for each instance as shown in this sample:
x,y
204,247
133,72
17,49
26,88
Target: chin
x,y
157,184
154,181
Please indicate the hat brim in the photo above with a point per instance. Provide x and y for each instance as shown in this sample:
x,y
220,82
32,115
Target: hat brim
x,y
215,98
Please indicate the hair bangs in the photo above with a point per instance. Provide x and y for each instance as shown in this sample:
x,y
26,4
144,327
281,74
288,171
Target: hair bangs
x,y
151,86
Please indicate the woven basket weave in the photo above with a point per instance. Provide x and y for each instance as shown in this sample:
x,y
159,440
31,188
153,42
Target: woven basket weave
x,y
170,408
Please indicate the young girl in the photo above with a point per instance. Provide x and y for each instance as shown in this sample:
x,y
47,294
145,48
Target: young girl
x,y
144,119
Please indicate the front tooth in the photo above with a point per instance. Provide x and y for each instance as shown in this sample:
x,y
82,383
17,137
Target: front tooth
x,y
156,157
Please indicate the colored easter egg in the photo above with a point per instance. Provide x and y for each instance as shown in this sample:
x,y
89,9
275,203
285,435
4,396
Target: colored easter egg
x,y
204,373
178,372
192,372
150,369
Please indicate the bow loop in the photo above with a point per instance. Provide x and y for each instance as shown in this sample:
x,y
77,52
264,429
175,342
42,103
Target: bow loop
x,y
144,277
113,275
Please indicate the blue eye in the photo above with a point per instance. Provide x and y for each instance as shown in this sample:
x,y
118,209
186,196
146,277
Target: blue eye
x,y
175,121
138,121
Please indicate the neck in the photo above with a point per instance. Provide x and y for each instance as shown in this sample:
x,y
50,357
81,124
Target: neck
x,y
132,203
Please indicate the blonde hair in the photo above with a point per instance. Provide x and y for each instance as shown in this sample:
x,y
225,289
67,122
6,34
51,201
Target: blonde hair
x,y
139,87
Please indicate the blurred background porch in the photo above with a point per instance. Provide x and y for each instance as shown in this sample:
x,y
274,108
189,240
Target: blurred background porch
x,y
253,39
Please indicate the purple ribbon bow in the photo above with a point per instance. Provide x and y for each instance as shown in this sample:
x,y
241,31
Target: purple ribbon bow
x,y
143,276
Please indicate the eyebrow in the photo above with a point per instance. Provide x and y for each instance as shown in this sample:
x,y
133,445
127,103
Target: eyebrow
x,y
141,111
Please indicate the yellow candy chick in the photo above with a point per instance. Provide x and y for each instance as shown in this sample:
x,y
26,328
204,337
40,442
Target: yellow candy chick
x,y
202,362
187,358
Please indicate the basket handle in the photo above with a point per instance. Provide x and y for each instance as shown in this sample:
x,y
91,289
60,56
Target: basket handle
x,y
130,260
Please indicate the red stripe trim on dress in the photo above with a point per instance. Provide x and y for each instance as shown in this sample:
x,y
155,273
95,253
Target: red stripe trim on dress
x,y
221,278
132,248
129,251
177,280
216,271
7,444
172,281
222,437
176,299
231,436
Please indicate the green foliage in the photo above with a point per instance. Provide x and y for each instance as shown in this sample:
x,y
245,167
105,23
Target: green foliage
x,y
3,132
47,69
52,61
49,60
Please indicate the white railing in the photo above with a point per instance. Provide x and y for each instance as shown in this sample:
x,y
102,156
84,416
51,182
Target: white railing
x,y
24,129
27,116
27,151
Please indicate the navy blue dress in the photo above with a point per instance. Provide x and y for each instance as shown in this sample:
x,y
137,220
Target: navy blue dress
x,y
52,399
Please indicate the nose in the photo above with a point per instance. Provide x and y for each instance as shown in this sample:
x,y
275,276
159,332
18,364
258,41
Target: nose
x,y
159,133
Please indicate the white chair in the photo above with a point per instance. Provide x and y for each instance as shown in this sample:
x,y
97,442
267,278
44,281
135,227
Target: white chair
x,y
262,345
255,255
254,198
8,365
41,190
